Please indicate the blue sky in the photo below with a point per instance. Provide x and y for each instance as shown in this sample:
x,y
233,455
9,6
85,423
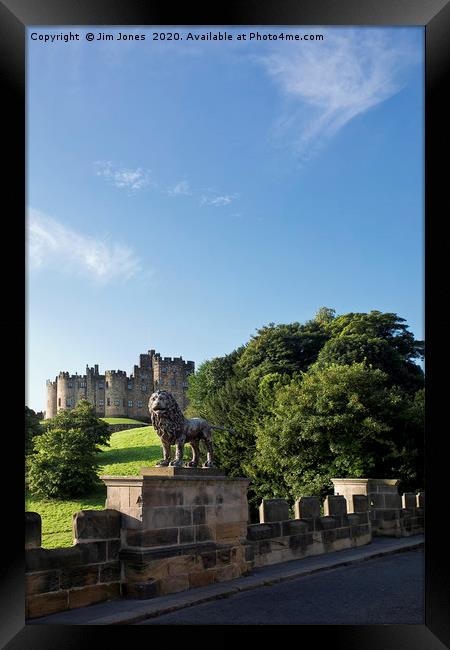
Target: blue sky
x,y
181,195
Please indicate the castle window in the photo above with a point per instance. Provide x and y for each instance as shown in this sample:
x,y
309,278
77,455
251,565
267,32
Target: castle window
x,y
107,385
100,385
185,384
139,404
163,369
144,388
70,385
130,402
144,376
173,382
117,402
108,402
82,384
101,402
130,386
68,402
59,401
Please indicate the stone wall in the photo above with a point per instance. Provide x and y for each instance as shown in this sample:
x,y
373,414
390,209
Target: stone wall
x,y
86,573
172,529
391,514
280,539
113,428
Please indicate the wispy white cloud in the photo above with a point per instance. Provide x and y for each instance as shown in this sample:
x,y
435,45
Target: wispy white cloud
x,y
328,83
218,200
122,177
52,244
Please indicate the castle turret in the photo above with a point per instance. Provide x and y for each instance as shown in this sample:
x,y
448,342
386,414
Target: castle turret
x,y
50,410
66,391
115,393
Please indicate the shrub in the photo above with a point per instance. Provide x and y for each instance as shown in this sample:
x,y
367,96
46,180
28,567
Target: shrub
x,y
63,465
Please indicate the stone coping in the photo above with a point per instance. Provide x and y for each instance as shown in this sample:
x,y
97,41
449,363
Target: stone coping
x,y
204,472
364,481
133,480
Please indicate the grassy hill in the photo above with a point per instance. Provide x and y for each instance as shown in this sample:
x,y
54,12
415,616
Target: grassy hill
x,y
127,453
122,421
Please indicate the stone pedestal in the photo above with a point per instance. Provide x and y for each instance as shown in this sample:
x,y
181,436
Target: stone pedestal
x,y
181,527
384,501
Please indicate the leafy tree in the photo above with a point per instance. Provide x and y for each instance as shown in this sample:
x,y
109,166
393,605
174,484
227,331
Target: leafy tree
x,y
209,378
337,421
32,428
283,349
63,464
82,417
64,459
380,339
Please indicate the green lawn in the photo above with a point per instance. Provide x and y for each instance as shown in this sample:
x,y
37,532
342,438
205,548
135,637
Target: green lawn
x,y
128,452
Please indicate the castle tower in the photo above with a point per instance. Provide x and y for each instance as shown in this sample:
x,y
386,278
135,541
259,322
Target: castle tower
x,y
116,386
66,391
95,390
172,375
50,410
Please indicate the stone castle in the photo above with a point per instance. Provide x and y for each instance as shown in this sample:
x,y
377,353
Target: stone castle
x,y
114,394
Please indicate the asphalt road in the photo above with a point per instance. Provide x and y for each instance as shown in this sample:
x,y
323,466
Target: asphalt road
x,y
387,590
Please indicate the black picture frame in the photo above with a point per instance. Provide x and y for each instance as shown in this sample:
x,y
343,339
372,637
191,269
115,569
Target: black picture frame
x,y
434,16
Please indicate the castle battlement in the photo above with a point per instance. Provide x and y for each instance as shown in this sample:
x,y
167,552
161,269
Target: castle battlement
x,y
117,394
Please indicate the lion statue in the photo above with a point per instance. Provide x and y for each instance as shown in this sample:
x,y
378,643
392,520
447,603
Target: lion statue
x,y
174,429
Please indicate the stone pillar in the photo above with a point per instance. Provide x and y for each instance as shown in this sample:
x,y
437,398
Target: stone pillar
x,y
181,528
384,501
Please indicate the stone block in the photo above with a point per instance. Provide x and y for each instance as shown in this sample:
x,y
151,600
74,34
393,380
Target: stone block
x,y
209,559
45,604
258,531
141,590
110,572
200,579
227,573
223,556
390,515
335,505
376,500
273,510
79,576
408,501
203,533
249,553
141,571
393,501
174,584
96,524
420,500
113,549
307,507
93,594
294,527
163,496
300,542
41,559
33,530
230,532
328,536
167,517
183,565
42,582
325,523
343,533
159,537
264,547
187,534
360,503
198,515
